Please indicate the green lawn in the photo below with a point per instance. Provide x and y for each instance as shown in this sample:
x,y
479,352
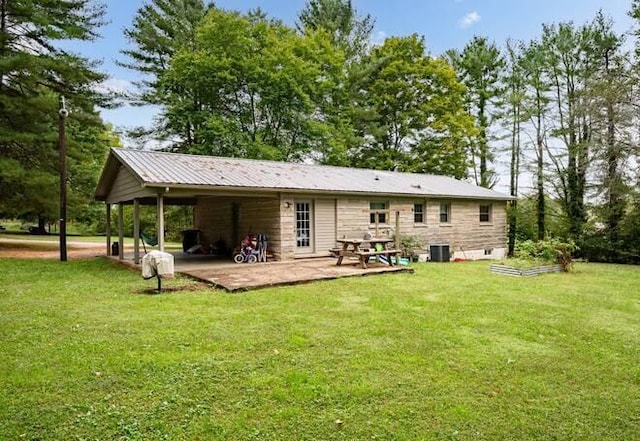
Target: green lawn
x,y
450,352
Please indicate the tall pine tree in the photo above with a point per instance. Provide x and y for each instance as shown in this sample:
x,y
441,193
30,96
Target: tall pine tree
x,y
159,30
480,66
34,73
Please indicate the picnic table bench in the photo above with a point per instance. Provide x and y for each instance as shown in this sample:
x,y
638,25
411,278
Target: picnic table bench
x,y
377,247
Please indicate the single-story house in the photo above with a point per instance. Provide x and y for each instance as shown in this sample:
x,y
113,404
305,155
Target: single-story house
x,y
304,208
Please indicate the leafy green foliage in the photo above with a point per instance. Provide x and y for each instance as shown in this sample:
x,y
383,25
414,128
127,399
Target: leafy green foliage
x,y
410,112
410,244
258,83
159,30
34,72
578,111
596,244
348,31
549,251
245,85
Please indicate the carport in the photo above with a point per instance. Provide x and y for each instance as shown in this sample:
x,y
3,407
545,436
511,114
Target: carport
x,y
222,212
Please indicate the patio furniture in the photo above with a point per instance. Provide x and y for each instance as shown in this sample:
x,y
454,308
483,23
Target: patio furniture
x,y
377,247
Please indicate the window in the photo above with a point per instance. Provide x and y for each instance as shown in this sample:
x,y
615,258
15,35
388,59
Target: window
x,y
445,213
418,213
485,213
378,209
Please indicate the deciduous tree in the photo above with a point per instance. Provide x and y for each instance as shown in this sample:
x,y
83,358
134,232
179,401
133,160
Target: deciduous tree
x,y
410,111
259,83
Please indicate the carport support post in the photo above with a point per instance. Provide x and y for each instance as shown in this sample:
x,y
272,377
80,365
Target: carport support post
x,y
120,230
398,240
160,213
107,226
136,231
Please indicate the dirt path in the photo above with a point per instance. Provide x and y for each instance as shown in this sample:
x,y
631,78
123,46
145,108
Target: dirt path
x,y
43,249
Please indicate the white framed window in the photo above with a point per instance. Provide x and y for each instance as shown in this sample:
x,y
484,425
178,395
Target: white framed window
x,y
418,213
378,209
485,213
445,212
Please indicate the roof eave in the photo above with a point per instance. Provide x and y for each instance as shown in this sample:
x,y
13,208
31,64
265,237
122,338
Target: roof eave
x,y
220,188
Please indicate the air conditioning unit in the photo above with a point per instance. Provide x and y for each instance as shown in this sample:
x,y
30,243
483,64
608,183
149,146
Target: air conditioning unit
x,y
439,252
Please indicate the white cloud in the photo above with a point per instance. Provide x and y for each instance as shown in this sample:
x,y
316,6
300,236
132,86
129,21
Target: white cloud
x,y
377,38
116,85
469,19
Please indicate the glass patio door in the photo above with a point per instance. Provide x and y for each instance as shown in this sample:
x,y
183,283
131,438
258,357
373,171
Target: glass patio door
x,y
304,223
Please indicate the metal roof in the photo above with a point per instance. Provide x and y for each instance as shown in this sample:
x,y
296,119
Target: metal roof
x,y
153,168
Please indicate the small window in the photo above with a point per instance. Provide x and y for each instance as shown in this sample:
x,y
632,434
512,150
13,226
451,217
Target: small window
x,y
418,213
485,213
445,213
378,209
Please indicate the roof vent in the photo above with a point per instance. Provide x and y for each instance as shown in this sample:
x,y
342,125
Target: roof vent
x,y
416,186
377,178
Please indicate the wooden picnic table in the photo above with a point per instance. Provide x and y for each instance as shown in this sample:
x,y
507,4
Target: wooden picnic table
x,y
378,246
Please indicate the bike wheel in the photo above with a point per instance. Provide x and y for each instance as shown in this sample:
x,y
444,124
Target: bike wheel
x,y
252,258
238,258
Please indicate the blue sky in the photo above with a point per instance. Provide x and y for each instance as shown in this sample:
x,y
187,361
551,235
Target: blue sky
x,y
445,24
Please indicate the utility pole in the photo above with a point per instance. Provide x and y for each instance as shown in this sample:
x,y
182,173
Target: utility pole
x,y
62,152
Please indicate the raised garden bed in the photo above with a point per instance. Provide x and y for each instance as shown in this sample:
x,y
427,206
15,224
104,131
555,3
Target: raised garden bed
x,y
524,272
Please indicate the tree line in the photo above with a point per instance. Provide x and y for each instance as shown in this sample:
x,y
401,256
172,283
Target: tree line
x,y
244,84
35,72
558,110
556,114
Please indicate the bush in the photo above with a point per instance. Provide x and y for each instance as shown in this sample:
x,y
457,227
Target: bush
x,y
410,244
547,251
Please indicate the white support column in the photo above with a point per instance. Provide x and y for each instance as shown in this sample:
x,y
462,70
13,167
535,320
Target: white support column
x,y
160,222
398,240
136,231
121,230
107,227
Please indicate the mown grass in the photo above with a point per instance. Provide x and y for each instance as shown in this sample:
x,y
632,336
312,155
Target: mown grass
x,y
450,352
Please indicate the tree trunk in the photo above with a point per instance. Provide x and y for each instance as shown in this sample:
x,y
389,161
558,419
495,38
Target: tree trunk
x,y
613,181
42,225
576,175
515,172
541,206
484,148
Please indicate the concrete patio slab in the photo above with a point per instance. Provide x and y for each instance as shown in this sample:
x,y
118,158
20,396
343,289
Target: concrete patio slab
x,y
234,277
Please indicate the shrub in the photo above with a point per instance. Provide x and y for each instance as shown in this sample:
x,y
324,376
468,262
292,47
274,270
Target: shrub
x,y
548,251
410,244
